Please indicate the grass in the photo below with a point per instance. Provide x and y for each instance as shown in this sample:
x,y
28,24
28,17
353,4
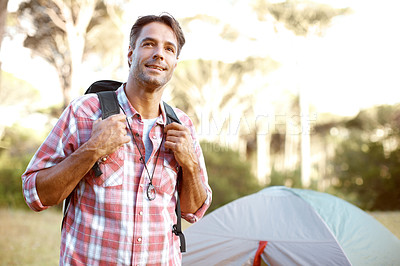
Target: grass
x,y
29,238
391,220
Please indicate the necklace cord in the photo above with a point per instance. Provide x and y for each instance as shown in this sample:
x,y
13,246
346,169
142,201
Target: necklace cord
x,y
141,156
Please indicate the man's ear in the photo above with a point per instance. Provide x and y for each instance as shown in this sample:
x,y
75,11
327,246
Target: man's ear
x,y
130,54
176,63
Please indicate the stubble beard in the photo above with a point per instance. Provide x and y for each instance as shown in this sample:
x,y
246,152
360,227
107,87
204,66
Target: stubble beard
x,y
150,82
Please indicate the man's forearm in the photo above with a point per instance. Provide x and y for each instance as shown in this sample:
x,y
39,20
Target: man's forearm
x,y
193,193
54,184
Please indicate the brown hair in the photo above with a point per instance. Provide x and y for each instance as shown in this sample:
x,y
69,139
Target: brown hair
x,y
164,18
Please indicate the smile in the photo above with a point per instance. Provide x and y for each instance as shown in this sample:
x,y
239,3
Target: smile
x,y
156,67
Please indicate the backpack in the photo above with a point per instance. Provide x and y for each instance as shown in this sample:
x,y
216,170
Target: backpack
x,y
105,90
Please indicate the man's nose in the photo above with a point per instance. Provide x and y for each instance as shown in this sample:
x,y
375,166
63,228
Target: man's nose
x,y
158,53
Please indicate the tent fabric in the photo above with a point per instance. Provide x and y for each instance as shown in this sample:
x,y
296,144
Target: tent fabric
x,y
302,227
363,238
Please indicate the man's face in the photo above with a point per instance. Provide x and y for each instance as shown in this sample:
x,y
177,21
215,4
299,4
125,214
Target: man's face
x,y
155,56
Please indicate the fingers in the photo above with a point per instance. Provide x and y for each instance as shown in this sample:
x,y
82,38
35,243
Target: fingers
x,y
121,131
176,130
173,143
176,134
174,126
110,134
120,120
116,118
177,138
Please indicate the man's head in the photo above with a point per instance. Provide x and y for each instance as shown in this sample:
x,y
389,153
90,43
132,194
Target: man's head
x,y
163,18
156,42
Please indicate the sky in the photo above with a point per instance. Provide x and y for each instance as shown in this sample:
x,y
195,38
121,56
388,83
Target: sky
x,y
354,65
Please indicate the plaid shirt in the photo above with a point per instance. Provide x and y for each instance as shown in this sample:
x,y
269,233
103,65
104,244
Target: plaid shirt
x,y
110,221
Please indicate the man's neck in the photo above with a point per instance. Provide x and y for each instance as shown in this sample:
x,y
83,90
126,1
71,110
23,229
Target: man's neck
x,y
145,102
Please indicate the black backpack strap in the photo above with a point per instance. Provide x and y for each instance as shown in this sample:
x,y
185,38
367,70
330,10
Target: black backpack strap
x,y
171,116
103,85
108,103
109,106
176,228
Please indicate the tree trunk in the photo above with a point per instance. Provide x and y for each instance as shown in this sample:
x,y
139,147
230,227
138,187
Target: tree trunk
x,y
76,46
75,29
3,16
305,139
263,158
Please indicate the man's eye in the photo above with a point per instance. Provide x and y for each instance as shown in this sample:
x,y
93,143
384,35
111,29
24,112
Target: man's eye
x,y
170,49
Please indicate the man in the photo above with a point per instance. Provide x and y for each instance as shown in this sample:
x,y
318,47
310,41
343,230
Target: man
x,y
124,216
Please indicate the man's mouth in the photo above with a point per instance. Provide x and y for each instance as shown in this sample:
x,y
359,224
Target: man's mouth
x,y
160,68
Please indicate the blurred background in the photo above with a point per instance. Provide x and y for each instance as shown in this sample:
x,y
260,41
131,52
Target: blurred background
x,y
296,93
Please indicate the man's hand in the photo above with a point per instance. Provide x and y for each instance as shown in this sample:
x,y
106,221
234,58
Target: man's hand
x,y
109,134
180,141
55,183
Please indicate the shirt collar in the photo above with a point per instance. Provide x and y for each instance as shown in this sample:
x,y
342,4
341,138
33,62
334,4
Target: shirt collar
x,y
130,111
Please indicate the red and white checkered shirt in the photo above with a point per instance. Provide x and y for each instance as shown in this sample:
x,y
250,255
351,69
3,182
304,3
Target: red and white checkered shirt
x,y
110,220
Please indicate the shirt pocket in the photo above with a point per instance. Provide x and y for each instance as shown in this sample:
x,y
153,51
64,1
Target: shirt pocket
x,y
112,168
167,182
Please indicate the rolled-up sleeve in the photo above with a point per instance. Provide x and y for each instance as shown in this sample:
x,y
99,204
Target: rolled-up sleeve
x,y
49,154
61,142
194,217
30,193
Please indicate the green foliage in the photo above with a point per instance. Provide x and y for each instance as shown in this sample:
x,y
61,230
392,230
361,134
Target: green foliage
x,y
299,16
11,169
229,177
49,40
58,32
367,162
286,178
289,179
17,147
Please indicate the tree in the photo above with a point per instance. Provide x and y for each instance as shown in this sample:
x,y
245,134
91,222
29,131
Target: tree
x,y
299,16
367,161
228,176
59,35
220,92
3,16
219,96
305,19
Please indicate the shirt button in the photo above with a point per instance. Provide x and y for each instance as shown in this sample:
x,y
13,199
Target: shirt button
x,y
137,134
154,137
140,213
139,239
